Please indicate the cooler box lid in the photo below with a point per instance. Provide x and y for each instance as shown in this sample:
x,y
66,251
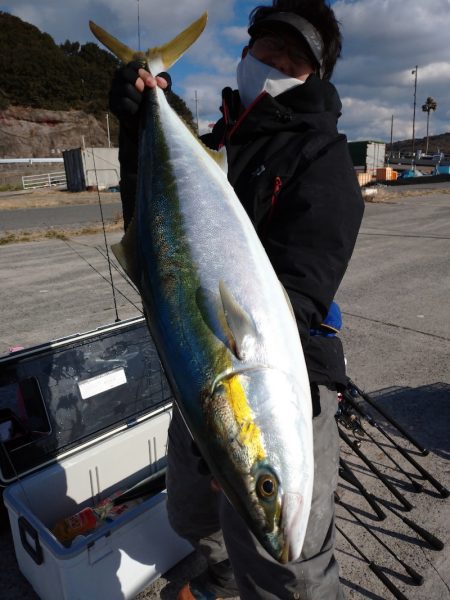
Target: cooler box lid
x,y
64,395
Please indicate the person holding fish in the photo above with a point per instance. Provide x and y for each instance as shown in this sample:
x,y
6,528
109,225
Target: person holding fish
x,y
291,170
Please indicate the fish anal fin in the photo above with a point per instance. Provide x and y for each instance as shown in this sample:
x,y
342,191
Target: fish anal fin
x,y
218,156
289,303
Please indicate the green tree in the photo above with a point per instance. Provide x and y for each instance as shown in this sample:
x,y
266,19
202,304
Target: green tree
x,y
38,73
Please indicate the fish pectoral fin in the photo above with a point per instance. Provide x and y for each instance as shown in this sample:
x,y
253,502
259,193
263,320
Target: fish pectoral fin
x,y
159,58
242,328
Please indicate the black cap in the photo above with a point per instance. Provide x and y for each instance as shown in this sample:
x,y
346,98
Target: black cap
x,y
299,25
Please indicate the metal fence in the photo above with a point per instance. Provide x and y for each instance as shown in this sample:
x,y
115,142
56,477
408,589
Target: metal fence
x,y
57,179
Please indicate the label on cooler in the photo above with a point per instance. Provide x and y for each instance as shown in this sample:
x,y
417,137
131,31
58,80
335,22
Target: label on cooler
x,y
102,383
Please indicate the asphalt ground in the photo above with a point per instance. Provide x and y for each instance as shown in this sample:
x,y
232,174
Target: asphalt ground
x,y
51,218
396,334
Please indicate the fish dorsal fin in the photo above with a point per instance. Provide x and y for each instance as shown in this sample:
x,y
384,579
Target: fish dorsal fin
x,y
126,254
241,325
159,58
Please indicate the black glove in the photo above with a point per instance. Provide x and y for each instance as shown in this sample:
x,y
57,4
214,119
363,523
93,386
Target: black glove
x,y
124,102
124,98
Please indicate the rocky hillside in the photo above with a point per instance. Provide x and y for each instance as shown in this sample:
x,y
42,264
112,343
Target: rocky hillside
x,y
52,95
33,133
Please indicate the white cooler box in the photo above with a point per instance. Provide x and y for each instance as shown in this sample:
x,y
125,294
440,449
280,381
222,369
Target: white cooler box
x,y
80,419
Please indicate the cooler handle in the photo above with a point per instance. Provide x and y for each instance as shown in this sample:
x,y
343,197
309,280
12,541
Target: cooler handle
x,y
25,530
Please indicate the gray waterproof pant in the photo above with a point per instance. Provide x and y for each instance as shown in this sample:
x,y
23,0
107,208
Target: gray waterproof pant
x,y
212,526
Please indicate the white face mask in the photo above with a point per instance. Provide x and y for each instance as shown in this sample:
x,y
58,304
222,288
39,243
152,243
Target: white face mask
x,y
255,77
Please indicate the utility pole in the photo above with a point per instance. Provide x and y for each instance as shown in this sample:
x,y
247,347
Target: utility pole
x,y
139,27
196,111
107,129
414,72
392,132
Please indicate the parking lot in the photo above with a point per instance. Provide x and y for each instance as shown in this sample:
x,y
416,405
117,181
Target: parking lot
x,y
396,335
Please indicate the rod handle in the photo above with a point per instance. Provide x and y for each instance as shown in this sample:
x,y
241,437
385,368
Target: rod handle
x,y
387,582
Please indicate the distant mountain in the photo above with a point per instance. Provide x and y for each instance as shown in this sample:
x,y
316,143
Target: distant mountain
x,y
436,143
36,73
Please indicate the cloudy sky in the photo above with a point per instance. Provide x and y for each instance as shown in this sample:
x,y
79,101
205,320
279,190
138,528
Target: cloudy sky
x,y
384,40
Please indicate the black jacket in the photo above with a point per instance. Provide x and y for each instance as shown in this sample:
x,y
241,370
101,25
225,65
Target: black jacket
x,y
293,174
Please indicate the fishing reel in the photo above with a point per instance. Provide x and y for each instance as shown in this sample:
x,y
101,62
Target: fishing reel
x,y
346,417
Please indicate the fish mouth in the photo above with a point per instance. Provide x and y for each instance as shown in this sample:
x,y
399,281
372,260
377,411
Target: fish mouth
x,y
293,527
285,542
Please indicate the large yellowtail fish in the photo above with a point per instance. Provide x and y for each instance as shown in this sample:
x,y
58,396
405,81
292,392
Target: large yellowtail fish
x,y
219,318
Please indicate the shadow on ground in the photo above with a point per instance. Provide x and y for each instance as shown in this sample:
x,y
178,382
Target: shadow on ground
x,y
424,412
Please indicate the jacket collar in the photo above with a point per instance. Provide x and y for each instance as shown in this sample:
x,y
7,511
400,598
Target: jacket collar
x,y
313,103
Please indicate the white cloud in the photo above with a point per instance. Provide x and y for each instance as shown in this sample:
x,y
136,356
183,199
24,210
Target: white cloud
x,y
239,35
383,42
158,20
208,95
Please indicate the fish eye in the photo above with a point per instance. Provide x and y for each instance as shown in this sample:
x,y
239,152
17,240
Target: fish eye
x,y
267,486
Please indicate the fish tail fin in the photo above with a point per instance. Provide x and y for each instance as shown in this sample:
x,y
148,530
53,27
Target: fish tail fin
x,y
159,58
123,52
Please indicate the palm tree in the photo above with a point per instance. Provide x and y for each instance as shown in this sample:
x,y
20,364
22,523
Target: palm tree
x,y
429,105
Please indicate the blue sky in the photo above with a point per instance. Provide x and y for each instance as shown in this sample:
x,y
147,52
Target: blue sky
x,y
383,42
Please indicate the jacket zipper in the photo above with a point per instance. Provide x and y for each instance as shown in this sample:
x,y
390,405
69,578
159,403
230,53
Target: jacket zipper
x,y
278,184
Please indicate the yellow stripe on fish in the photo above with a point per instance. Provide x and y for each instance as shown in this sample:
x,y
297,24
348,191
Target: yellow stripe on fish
x,y
249,433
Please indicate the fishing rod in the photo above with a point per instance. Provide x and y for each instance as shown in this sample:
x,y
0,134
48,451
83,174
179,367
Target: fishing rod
x,y
376,569
375,470
425,474
347,474
355,425
149,486
354,388
416,577
113,289
118,270
102,276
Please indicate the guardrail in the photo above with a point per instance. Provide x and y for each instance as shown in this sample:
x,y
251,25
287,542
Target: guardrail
x,y
57,179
